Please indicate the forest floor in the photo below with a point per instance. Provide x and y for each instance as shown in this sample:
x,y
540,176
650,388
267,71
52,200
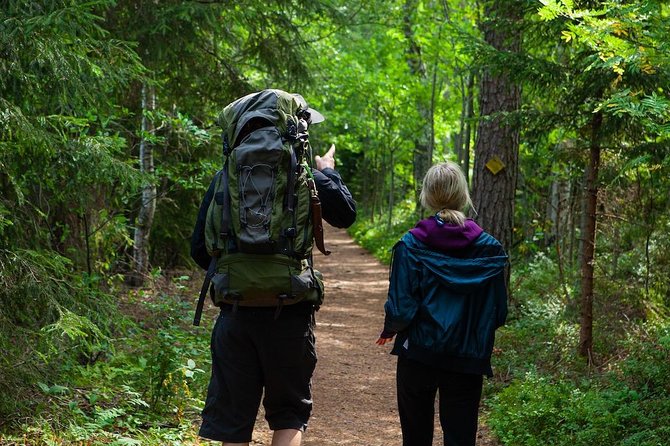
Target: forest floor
x,y
354,383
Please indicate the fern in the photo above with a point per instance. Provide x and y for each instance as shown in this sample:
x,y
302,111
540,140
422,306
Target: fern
x,y
47,316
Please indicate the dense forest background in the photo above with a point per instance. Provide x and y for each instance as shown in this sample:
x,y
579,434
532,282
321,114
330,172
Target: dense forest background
x,y
558,110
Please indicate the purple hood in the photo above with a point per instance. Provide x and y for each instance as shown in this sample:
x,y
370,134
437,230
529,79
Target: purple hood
x,y
446,236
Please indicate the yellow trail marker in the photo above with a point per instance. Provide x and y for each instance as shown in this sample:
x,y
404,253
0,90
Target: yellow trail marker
x,y
495,165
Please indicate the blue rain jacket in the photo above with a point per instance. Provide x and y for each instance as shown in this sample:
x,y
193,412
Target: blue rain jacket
x,y
446,306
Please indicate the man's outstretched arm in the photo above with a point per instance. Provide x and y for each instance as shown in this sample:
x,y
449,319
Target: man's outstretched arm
x,y
338,206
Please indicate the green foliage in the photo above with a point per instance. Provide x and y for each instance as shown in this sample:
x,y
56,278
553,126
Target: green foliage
x,y
626,406
540,336
183,182
377,108
70,112
49,319
61,155
146,389
378,237
67,172
544,394
614,63
646,366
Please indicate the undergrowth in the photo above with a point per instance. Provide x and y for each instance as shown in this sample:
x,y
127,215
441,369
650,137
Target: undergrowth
x,y
142,386
543,392
625,405
49,318
378,235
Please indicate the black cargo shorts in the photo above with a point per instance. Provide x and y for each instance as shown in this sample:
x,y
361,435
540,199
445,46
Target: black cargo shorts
x,y
257,355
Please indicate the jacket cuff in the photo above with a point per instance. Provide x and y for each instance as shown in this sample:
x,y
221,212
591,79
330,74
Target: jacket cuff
x,y
330,172
386,334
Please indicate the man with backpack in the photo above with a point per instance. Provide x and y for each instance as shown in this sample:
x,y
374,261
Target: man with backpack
x,y
254,235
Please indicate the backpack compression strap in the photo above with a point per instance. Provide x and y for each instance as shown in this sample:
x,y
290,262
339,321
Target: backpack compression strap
x,y
225,214
225,229
290,187
203,291
317,222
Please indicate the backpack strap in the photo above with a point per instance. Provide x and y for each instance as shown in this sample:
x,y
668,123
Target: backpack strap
x,y
290,187
225,213
317,222
203,291
289,234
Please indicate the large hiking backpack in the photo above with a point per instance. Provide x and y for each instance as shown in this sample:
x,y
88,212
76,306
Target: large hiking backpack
x,y
260,224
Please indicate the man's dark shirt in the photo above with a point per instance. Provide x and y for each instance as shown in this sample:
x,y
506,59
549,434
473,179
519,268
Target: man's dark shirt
x,y
337,204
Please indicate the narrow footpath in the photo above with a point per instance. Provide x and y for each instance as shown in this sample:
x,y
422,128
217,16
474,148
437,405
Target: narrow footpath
x,y
354,383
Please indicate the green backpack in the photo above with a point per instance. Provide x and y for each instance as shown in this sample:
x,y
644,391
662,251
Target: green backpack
x,y
261,222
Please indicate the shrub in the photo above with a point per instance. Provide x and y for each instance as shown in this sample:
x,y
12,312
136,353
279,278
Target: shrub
x,y
378,236
49,318
627,405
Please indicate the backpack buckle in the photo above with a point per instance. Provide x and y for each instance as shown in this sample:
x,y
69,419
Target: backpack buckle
x,y
281,298
290,232
291,130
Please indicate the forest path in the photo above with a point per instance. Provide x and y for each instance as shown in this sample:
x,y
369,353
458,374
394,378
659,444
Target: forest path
x,y
354,383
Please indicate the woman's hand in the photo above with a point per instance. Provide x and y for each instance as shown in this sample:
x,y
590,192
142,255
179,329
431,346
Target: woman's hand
x,y
385,337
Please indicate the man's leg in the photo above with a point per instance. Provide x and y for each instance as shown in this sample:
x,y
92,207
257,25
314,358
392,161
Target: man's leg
x,y
235,444
288,357
287,437
236,385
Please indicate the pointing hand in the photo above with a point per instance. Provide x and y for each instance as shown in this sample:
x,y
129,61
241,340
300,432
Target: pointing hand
x,y
327,160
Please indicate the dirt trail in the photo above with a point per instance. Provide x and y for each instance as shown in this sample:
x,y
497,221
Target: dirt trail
x,y
354,383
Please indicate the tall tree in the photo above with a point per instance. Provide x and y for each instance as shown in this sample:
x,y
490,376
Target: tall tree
x,y
497,143
612,99
589,237
145,216
62,172
423,137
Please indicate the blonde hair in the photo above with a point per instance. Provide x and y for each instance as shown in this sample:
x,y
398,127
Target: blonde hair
x,y
445,191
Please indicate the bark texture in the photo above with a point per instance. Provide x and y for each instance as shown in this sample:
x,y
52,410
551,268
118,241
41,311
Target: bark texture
x,y
147,209
493,194
589,242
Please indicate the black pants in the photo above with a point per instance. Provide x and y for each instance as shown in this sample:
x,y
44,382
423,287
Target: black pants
x,y
254,356
459,404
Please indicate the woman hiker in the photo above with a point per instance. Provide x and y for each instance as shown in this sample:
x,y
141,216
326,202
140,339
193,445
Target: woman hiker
x,y
446,297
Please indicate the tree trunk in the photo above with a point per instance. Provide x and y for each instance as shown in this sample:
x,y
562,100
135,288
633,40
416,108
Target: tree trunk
x,y
575,189
589,242
493,193
145,216
552,213
392,191
423,142
467,137
459,143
